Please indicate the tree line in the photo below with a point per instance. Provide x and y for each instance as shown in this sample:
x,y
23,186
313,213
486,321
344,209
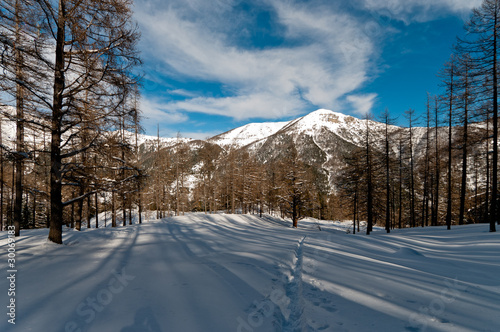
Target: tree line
x,y
202,176
452,177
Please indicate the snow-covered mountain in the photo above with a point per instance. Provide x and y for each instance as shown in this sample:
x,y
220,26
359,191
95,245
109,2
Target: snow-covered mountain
x,y
316,125
312,124
247,134
322,137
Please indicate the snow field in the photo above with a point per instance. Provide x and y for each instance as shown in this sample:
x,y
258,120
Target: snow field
x,y
241,273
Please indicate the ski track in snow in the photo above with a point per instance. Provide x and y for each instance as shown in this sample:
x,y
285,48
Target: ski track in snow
x,y
295,321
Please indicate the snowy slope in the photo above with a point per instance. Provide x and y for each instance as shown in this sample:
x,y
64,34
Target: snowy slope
x,y
7,115
152,141
242,273
248,134
30,135
8,131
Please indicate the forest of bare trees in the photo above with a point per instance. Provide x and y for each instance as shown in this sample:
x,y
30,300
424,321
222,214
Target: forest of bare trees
x,y
69,85
453,176
68,67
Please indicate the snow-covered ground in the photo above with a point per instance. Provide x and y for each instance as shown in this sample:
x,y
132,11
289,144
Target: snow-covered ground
x,y
241,273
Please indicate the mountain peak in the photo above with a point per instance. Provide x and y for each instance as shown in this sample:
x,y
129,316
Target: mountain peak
x,y
323,118
328,115
322,111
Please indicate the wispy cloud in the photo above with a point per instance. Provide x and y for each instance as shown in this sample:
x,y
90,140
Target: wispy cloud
x,y
242,107
183,93
330,60
159,112
419,10
362,104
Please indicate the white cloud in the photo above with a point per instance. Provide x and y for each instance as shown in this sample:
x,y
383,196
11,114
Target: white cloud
x,y
362,104
155,112
420,10
331,62
182,93
259,105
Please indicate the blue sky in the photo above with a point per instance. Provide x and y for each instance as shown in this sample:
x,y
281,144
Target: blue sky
x,y
211,66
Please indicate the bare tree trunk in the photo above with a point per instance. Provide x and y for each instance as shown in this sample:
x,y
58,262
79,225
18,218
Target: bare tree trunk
x,y
34,209
1,177
464,73
88,214
233,185
139,178
140,201
204,194
105,213
96,211
435,204
387,177
412,172
47,186
463,187
56,206
295,217
12,196
369,203
72,218
130,212
488,171
425,201
124,211
355,208
476,185
19,164
79,211
400,210
113,209
494,181
450,122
